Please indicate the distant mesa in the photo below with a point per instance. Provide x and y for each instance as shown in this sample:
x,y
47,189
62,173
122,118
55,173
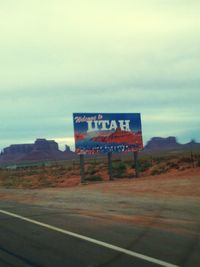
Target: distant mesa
x,y
169,143
42,149
67,149
159,143
47,150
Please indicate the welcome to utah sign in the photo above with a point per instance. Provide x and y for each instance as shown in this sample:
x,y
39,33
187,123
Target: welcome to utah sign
x,y
107,132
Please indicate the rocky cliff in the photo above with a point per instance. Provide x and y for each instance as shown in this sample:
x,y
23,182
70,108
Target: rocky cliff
x,y
169,143
42,149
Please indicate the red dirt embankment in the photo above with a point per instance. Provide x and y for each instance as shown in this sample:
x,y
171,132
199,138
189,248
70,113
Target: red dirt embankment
x,y
173,183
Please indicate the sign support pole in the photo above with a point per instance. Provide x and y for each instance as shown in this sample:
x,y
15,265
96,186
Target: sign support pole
x,y
82,168
110,165
136,164
192,159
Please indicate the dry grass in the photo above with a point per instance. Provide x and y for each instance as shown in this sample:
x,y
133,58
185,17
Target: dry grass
x,y
67,174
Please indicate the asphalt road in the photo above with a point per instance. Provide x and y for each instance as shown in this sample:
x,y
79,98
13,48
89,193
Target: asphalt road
x,y
24,244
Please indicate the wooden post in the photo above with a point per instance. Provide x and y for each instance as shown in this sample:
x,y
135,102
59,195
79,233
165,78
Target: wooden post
x,y
192,159
82,168
136,164
110,165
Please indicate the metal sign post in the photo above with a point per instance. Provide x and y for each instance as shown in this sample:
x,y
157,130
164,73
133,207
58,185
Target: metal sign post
x,y
192,159
110,165
82,168
136,164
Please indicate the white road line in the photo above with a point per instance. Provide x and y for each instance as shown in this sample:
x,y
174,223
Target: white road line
x,y
91,240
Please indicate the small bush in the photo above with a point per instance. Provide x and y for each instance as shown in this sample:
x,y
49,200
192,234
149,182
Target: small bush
x,y
43,181
121,166
185,159
158,159
144,165
3,175
93,178
30,172
12,181
172,165
119,169
198,162
94,162
91,170
76,172
159,170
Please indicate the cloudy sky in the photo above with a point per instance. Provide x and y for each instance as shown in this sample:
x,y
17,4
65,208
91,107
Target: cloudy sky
x,y
60,56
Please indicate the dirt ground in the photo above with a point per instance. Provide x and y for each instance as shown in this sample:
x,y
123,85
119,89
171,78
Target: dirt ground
x,y
170,201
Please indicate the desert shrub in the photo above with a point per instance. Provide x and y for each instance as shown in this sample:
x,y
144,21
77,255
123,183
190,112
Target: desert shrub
x,y
93,178
102,166
158,159
121,166
4,177
198,162
92,171
26,183
30,172
74,172
58,171
63,172
144,165
117,160
12,181
159,170
93,162
43,181
8,174
119,169
185,159
172,165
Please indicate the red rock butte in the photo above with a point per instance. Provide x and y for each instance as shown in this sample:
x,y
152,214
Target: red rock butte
x,y
120,137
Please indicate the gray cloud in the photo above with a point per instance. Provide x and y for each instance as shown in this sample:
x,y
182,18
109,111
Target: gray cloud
x,y
58,57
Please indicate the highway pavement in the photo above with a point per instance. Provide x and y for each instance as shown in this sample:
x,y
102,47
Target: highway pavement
x,y
46,237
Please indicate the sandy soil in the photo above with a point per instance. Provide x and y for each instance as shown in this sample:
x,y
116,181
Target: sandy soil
x,y
170,201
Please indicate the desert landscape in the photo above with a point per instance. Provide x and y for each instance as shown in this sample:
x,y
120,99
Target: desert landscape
x,y
99,133
163,204
67,173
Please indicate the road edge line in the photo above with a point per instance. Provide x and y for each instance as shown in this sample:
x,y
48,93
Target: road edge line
x,y
91,240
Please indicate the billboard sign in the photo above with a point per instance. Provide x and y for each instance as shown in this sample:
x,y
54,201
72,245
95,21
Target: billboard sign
x,y
107,132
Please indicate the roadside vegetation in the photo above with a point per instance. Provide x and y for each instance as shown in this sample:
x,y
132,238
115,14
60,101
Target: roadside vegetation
x,y
67,173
